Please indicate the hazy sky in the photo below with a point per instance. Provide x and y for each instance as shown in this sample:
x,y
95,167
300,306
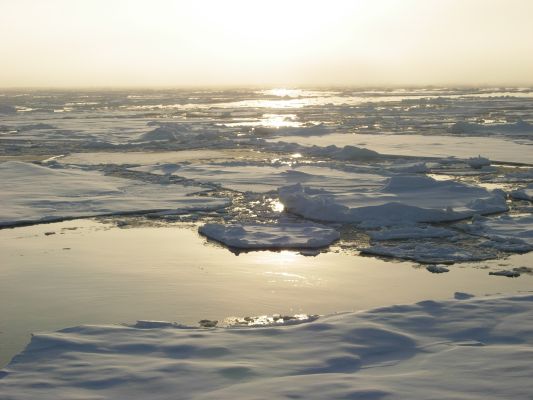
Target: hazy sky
x,y
267,42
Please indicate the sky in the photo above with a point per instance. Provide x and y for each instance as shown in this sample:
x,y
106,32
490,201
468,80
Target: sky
x,y
157,43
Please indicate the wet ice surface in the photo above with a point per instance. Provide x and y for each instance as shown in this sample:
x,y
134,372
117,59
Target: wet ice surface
x,y
395,174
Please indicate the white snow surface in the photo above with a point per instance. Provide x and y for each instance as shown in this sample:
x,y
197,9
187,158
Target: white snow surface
x,y
42,194
271,236
411,232
244,177
403,199
476,348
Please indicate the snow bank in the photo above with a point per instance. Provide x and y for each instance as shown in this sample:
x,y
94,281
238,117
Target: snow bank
x,y
457,349
32,193
404,199
270,236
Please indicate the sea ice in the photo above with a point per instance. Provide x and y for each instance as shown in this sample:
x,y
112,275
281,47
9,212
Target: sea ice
x,y
271,236
516,128
523,194
41,194
403,199
425,252
484,346
437,269
512,233
248,177
411,232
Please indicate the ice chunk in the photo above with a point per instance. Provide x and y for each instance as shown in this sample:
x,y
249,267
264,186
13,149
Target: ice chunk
x,y
271,236
404,199
437,269
506,273
478,162
33,193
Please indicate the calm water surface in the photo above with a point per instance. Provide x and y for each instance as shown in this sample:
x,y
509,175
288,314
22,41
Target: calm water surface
x,y
87,272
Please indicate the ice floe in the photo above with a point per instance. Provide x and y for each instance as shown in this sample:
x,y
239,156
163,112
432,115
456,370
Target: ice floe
x,y
515,128
403,199
427,252
512,233
247,177
523,194
271,236
483,346
42,194
411,232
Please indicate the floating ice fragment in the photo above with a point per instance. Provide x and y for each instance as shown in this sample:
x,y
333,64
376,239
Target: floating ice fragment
x,y
437,269
403,199
506,273
271,236
523,194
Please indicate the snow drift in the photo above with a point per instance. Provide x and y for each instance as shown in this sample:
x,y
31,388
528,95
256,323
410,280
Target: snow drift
x,y
474,348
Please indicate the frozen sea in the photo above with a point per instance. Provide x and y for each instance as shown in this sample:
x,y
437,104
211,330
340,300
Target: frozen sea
x,y
249,207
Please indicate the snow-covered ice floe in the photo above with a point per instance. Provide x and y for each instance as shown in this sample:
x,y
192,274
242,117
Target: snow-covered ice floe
x,y
271,236
246,177
411,232
426,252
403,199
514,128
513,233
475,348
41,194
523,194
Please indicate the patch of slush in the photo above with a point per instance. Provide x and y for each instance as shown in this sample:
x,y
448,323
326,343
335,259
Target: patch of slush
x,y
403,199
41,194
401,351
427,252
271,236
411,232
512,233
